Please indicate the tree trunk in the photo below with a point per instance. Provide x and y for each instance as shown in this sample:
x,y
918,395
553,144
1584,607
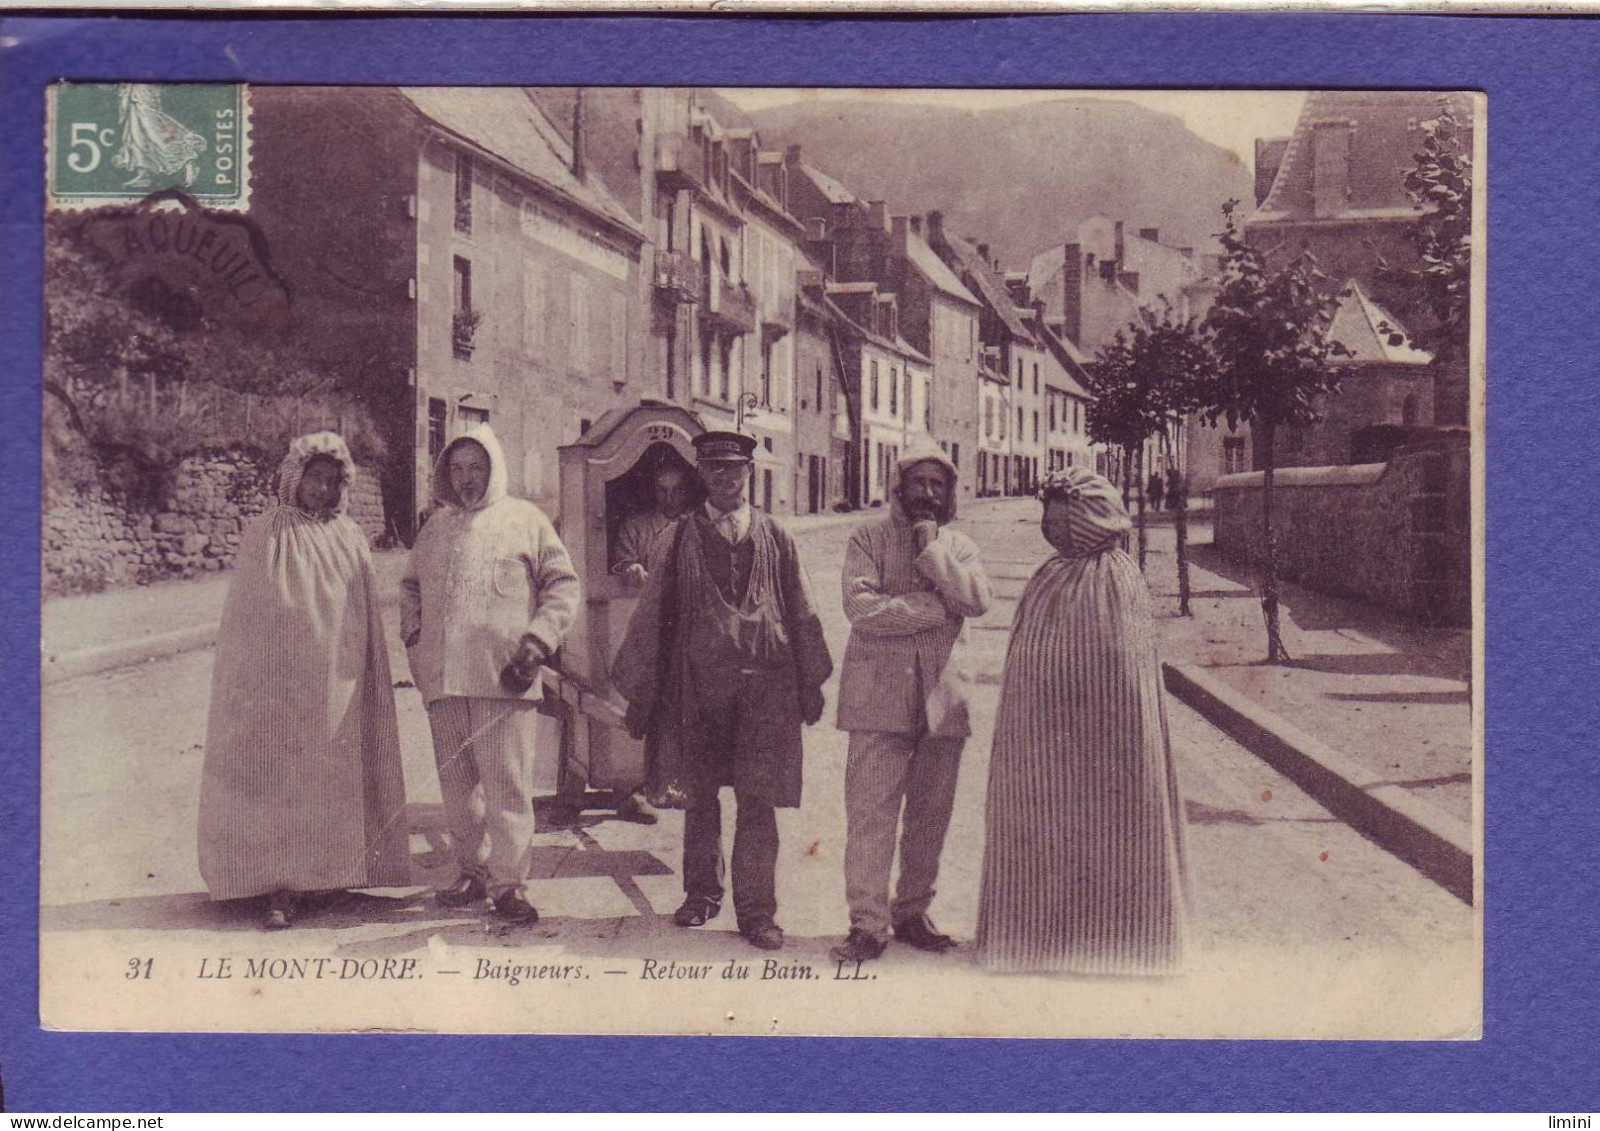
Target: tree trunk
x,y
1127,474
1140,481
1180,526
1276,653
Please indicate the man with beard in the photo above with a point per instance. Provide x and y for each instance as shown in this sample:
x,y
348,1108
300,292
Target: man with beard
x,y
910,583
726,646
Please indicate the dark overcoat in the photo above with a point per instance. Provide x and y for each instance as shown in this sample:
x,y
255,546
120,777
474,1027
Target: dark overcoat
x,y
652,670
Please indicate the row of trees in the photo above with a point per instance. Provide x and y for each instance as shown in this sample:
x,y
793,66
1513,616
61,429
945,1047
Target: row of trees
x,y
1262,355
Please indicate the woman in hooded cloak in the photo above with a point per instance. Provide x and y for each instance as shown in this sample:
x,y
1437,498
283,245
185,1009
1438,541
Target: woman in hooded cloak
x,y
302,788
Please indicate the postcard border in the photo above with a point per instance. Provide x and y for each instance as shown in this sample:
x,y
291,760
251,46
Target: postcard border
x,y
1540,877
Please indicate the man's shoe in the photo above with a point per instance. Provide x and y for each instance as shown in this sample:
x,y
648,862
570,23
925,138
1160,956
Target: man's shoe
x,y
696,911
858,946
919,931
513,907
635,808
767,936
466,891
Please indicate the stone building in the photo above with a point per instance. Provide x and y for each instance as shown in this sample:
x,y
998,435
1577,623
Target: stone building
x,y
450,244
822,414
858,241
1386,383
1010,349
886,380
1338,193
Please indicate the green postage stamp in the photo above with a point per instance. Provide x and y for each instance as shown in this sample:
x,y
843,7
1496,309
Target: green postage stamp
x,y
117,143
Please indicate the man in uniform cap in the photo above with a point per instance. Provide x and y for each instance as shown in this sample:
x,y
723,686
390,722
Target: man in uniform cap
x,y
726,646
910,584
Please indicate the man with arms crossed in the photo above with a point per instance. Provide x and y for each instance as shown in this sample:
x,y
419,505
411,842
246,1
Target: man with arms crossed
x,y
910,583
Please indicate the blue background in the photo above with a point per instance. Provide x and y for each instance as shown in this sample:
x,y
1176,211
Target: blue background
x,y
1543,915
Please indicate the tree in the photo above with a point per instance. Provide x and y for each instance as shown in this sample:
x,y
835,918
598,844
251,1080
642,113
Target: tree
x,y
1440,186
1126,410
1269,334
1154,374
141,374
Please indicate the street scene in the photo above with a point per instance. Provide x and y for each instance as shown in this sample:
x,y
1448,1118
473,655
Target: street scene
x,y
610,293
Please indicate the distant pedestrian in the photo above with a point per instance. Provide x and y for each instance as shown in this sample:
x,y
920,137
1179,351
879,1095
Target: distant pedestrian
x,y
487,596
726,647
1083,864
302,790
1175,488
1153,490
910,584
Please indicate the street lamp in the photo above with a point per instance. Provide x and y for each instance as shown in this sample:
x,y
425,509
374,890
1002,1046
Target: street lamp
x,y
746,405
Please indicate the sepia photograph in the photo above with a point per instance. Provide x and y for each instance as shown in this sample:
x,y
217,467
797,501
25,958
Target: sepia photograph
x,y
762,561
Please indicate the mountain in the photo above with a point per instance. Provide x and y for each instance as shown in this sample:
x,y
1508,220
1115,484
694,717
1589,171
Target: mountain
x,y
1019,178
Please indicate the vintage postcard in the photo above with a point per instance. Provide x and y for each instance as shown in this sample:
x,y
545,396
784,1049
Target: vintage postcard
x,y
762,561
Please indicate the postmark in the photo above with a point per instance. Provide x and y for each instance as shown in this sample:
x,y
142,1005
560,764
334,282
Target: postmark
x,y
116,143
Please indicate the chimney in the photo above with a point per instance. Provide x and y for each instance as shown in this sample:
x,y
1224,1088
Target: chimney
x,y
791,155
878,213
1151,234
983,253
1118,244
1072,294
916,225
898,227
578,139
936,228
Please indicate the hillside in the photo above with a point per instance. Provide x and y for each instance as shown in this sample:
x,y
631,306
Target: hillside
x,y
1020,178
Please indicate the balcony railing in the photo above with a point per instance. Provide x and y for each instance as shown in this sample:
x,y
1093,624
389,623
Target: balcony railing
x,y
732,307
678,276
680,162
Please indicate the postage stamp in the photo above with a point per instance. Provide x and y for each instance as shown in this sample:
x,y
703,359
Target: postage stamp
x,y
115,143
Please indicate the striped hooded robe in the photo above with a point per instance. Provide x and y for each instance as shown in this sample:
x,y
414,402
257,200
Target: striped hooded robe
x,y
302,787
1083,864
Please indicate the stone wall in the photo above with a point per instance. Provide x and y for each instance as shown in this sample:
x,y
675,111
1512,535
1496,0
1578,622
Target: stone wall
x,y
1397,535
100,534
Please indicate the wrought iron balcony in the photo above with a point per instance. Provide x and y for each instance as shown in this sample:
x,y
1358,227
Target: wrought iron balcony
x,y
678,276
732,307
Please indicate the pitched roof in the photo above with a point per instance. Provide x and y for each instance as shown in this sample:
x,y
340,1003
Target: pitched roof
x,y
925,260
1370,332
505,122
1385,137
897,343
989,288
1069,356
835,192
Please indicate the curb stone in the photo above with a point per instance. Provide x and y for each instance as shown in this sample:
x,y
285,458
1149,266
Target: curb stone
x,y
1433,842
92,661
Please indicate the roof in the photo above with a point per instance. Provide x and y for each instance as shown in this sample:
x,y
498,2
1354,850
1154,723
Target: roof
x,y
990,289
1069,356
1385,136
928,262
505,122
898,344
1371,333
827,186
